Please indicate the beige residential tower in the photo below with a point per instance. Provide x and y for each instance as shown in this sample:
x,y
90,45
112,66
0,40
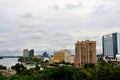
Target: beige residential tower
x,y
85,52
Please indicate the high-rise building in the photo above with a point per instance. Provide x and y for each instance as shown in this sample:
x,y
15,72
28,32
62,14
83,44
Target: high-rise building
x,y
25,53
85,52
111,44
31,53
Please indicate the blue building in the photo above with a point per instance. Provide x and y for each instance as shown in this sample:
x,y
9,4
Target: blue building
x,y
45,54
111,44
31,53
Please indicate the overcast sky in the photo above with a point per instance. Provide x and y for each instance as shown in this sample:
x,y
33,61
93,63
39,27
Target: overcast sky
x,y
48,25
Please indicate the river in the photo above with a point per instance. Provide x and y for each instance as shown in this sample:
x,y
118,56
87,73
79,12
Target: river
x,y
8,62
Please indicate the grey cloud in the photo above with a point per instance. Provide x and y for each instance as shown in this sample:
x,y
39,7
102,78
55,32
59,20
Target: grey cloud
x,y
88,38
5,39
32,16
50,19
56,7
61,34
103,10
64,37
30,29
62,40
105,15
14,52
5,42
58,26
28,15
32,36
70,6
4,35
107,9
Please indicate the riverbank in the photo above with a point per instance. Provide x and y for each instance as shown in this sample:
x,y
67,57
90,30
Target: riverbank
x,y
8,62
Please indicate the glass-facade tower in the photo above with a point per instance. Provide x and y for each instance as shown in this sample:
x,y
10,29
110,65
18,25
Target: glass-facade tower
x,y
111,44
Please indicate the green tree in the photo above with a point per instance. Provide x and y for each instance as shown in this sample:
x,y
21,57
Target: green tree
x,y
62,73
19,68
3,67
89,65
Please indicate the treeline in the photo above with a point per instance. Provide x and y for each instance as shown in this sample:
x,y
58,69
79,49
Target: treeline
x,y
103,71
3,67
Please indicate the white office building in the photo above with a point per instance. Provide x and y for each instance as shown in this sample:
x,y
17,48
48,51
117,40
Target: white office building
x,y
111,44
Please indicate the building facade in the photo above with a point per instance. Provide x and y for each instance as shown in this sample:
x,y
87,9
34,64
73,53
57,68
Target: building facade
x,y
72,59
25,53
59,56
31,53
85,52
111,44
45,54
67,54
62,55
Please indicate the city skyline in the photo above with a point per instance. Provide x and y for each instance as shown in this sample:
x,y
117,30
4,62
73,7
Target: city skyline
x,y
55,24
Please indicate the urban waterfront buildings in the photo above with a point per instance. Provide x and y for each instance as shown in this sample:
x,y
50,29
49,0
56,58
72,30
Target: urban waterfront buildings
x,y
111,44
62,55
31,53
67,54
59,56
85,52
45,54
72,59
25,53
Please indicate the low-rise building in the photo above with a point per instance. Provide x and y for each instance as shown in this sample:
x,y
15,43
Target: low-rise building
x,y
62,55
58,57
72,59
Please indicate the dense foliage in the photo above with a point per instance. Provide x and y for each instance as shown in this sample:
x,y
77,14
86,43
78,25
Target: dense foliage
x,y
2,67
103,71
19,68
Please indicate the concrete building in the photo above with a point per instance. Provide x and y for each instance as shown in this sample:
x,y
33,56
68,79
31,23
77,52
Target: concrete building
x,y
72,59
62,55
25,53
67,55
41,58
31,53
45,54
85,52
59,56
111,44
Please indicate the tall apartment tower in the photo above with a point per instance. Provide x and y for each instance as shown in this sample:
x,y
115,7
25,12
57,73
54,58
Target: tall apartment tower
x,y
111,44
25,53
85,52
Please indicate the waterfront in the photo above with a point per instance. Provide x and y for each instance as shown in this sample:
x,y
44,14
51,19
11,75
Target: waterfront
x,y
8,62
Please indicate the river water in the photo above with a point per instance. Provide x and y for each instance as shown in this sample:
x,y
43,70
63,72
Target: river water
x,y
8,62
